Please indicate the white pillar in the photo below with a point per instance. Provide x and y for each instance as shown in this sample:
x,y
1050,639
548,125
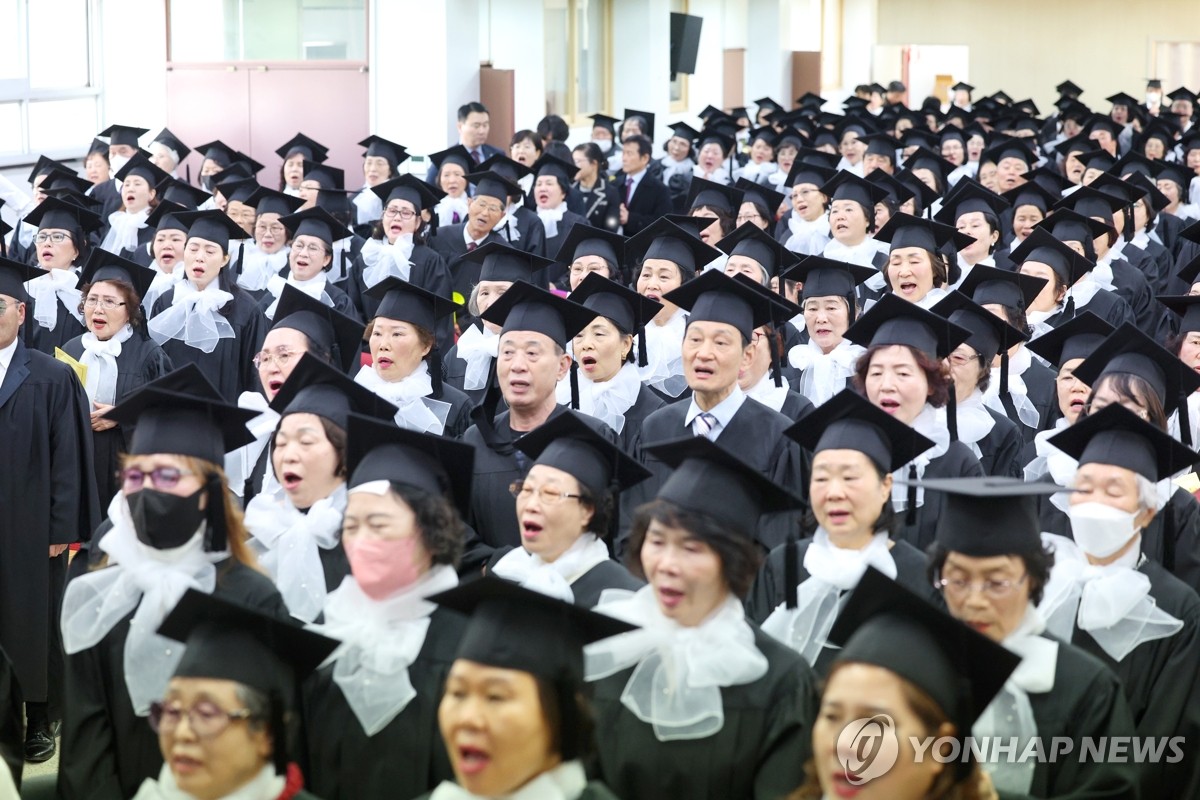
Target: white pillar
x,y
642,59
132,42
768,54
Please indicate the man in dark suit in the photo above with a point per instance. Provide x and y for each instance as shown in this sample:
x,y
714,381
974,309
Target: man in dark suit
x,y
474,123
644,198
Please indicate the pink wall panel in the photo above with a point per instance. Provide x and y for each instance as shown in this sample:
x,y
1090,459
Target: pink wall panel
x,y
207,103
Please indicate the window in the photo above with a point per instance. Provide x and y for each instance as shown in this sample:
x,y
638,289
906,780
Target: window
x,y
48,98
577,37
244,30
679,101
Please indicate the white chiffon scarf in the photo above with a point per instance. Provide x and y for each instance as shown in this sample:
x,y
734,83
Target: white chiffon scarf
x,y
553,578
608,400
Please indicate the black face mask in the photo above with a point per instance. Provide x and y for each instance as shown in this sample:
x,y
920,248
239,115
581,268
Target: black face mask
x,y
164,521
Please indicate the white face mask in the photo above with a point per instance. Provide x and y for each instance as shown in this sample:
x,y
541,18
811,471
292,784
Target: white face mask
x,y
604,144
1101,530
117,163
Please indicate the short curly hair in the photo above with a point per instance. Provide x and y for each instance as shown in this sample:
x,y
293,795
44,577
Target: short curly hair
x,y
442,529
129,296
937,374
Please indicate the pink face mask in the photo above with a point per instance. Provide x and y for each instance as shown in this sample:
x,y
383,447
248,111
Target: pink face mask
x,y
382,567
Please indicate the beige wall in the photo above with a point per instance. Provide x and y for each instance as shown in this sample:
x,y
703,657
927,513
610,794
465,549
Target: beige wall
x,y
1026,47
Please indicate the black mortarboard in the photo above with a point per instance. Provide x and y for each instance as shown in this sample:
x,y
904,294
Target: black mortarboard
x,y
905,230
243,160
1102,122
716,297
563,172
379,147
753,242
56,213
567,443
1187,307
924,194
898,193
212,226
316,222
961,670
826,277
453,155
1032,193
761,194
810,99
269,201
1069,225
1189,273
881,144
301,145
218,151
1097,159
1145,187
1129,351
515,628
990,285
99,147
894,321
1153,83
1042,247
406,302
1078,143
123,134
606,122
1177,173
627,309
1122,99
990,335
378,450
716,136
1118,437
584,240
807,172
921,137
1190,141
1008,147
499,262
648,131
848,186
503,165
525,307
105,266
315,387
1049,179
970,196
46,165
1182,93
1078,337
492,184
666,240
326,176
684,131
1123,191
990,516
1068,87
179,192
850,422
714,195
234,189
962,86
144,168
13,275
165,137
325,327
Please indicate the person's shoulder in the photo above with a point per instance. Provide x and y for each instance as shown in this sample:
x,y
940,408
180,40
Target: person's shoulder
x,y
1171,594
670,414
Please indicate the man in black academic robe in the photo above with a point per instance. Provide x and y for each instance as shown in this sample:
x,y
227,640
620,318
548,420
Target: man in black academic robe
x,y
48,497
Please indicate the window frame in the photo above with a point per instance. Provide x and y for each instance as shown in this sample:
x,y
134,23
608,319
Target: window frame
x,y
573,114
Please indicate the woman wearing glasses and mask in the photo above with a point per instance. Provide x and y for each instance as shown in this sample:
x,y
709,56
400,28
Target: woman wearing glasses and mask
x,y
173,526
119,356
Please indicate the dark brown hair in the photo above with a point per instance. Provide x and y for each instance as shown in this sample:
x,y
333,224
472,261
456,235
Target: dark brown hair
x,y
1037,566
441,527
129,296
937,264
937,374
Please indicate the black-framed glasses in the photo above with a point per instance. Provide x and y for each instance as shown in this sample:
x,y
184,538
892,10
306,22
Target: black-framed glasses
x,y
206,719
58,237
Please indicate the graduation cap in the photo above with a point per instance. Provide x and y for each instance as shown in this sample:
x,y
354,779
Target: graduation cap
x,y
584,240
924,158
714,195
1189,273
102,265
318,223
212,226
810,100
893,321
1044,248
236,190
805,171
961,670
1102,122
1078,337
648,130
627,309
753,242
708,479
905,230
411,189
1122,99
713,135
827,277
1182,93
990,285
1090,202
123,134
762,195
144,168
848,186
500,262
567,443
606,122
1079,143
493,184
316,387
1071,226
1008,147
1187,308
916,137
395,154
1031,193
684,131
850,422
1157,129
525,307
990,335
1097,159
326,328
301,145
326,176
1074,110
217,151
268,201
163,217
99,147
247,162
170,140
560,170
179,192
898,192
453,155
990,516
13,276
1068,88
505,166
881,144
379,450
924,196
716,297
1118,437
405,302
232,642
1190,141
45,166
962,86
970,196
663,239
54,212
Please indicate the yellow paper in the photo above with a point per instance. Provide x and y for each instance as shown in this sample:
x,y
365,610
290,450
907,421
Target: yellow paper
x,y
1189,482
80,369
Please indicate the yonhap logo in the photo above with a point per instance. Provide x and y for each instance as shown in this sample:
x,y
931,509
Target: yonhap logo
x,y
867,748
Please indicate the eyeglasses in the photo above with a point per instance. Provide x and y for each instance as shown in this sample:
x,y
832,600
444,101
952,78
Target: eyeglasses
x,y
280,357
961,359
205,719
107,303
548,497
57,238
993,590
276,229
163,478
742,219
491,208
403,213
312,247
4,306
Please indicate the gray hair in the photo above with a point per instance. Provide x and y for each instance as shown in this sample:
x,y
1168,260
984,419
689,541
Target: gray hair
x,y
1149,496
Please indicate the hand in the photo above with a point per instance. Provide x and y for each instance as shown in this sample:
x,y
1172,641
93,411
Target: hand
x,y
97,416
624,215
57,550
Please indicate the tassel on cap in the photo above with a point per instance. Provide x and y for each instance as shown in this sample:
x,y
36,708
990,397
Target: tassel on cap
x,y
952,413
910,514
776,359
435,371
642,358
1069,308
1185,425
574,378
217,532
791,570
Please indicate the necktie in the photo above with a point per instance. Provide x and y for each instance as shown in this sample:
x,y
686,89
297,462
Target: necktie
x,y
703,425
477,155
471,246
454,220
628,190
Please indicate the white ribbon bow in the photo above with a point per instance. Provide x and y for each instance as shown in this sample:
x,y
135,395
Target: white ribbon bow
x,y
1027,412
824,374
382,260
550,218
553,578
608,400
258,267
163,281
194,317
664,355
930,423
369,205
46,290
100,358
123,230
478,347
507,226
239,464
1052,462
415,409
807,238
974,421
314,287
448,207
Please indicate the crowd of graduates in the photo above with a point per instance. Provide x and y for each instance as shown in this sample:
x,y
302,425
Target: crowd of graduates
x,y
641,468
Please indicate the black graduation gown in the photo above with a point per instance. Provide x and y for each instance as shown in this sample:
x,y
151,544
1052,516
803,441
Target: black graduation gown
x,y
404,759
1000,449
647,403
957,462
559,273
109,195
429,272
48,497
459,417
12,719
341,301
1162,684
493,513
531,236
759,752
1105,304
754,434
451,246
107,750
44,340
795,406
588,587
770,585
140,362
1041,387
230,366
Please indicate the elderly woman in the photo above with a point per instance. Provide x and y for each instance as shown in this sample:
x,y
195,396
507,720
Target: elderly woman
x,y
515,720
826,361
226,724
700,703
295,152
975,213
916,270
172,526
406,365
1107,598
587,250
609,385
119,357
403,536
992,568
381,163
61,245
551,185
601,199
807,226
295,531
753,253
928,674
126,228
851,222
565,512
268,255
310,258
167,152
716,202
206,318
450,170
856,448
